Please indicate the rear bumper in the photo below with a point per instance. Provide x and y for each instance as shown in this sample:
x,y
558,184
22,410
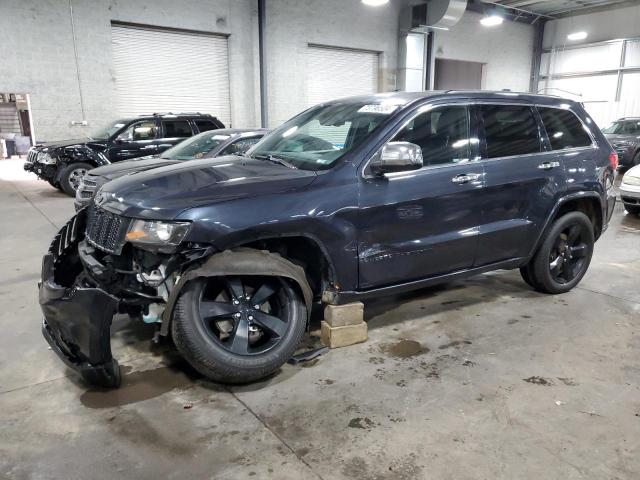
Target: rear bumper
x,y
630,194
77,321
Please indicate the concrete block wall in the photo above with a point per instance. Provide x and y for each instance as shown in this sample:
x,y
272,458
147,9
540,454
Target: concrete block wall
x,y
506,50
293,24
37,56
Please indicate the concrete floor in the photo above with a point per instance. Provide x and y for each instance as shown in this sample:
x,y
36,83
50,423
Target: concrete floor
x,y
504,383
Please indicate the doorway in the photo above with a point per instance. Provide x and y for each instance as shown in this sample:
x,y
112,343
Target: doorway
x,y
16,126
458,75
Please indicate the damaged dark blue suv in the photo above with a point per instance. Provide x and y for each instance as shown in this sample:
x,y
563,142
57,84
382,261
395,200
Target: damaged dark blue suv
x,y
350,199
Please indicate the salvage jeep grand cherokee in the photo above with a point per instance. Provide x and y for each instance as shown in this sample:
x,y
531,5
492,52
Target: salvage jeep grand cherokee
x,y
350,199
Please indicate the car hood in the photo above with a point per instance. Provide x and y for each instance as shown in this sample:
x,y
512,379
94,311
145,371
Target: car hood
x,y
127,167
72,143
616,137
633,172
163,193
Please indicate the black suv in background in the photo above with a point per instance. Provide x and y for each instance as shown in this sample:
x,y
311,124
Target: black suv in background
x,y
349,200
64,163
624,136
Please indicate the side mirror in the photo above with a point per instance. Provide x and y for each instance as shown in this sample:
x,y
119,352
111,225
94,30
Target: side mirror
x,y
396,157
123,137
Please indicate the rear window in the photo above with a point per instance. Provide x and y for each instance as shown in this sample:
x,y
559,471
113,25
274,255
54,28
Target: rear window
x,y
563,129
176,128
205,125
509,130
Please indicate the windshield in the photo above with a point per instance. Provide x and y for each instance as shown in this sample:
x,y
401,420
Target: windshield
x,y
623,128
105,133
195,147
317,138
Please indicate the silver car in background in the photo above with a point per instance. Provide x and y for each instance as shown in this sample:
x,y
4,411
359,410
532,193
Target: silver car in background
x,y
214,143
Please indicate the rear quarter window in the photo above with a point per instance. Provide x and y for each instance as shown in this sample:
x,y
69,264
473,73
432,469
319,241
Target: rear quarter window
x,y
205,125
564,129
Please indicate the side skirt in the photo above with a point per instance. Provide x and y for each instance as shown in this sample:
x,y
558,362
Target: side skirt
x,y
355,296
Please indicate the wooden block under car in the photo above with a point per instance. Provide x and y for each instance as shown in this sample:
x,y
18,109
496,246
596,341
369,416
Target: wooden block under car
x,y
343,315
336,337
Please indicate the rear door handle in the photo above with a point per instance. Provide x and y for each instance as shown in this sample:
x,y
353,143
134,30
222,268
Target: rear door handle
x,y
548,165
465,178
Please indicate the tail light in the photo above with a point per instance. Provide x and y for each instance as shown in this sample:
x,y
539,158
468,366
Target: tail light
x,y
613,160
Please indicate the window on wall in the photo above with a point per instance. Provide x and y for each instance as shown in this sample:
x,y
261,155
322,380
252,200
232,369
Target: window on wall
x,y
603,76
509,130
442,133
563,129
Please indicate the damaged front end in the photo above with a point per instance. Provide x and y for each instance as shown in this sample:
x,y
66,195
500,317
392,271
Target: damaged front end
x,y
91,273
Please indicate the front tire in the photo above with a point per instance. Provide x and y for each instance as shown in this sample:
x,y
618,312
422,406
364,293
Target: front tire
x,y
238,329
564,256
71,175
54,185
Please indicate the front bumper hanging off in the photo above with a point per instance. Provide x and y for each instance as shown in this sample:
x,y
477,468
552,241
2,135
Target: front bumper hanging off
x,y
77,320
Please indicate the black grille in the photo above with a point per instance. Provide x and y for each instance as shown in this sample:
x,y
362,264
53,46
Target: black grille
x,y
88,186
105,230
32,156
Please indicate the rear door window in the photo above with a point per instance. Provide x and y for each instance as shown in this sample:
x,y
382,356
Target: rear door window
x,y
563,129
176,128
510,130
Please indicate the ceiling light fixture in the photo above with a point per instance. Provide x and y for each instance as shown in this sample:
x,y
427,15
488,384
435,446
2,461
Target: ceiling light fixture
x,y
375,3
577,36
491,20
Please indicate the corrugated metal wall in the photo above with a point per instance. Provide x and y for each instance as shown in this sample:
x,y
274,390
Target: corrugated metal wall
x,y
170,71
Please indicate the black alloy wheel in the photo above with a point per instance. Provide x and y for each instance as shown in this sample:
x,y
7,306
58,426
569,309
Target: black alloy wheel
x,y
244,317
568,253
564,255
238,329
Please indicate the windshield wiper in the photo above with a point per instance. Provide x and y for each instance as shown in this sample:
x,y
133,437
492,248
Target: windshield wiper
x,y
274,159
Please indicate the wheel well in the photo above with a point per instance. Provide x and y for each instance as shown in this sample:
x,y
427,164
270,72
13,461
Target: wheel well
x,y
306,253
589,206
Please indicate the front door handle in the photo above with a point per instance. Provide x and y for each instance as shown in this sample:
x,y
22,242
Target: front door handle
x,y
548,165
465,178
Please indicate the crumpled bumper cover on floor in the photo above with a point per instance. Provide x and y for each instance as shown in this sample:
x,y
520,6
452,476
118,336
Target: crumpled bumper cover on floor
x,y
77,325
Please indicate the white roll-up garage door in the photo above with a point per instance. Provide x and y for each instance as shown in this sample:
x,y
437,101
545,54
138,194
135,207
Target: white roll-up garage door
x,y
335,72
170,71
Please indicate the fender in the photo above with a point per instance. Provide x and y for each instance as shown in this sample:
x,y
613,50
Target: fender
x,y
242,261
78,153
559,203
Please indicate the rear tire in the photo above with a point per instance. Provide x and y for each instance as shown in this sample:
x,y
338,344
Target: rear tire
x,y
564,256
631,209
71,175
214,333
525,272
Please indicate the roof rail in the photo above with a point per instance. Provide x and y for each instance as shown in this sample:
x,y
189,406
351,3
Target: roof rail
x,y
159,114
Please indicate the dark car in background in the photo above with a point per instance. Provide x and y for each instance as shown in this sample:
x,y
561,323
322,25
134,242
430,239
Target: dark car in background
x,y
624,136
349,200
64,163
226,141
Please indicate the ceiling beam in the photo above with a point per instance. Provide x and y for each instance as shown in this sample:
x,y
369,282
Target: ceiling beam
x,y
586,9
